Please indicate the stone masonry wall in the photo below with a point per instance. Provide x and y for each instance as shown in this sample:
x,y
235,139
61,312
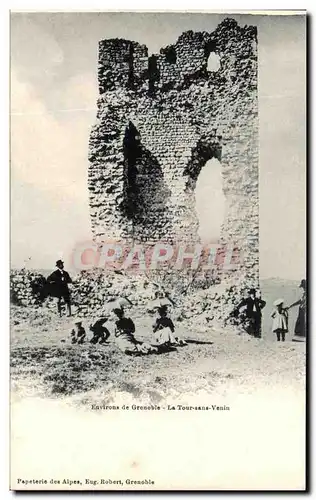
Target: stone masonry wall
x,y
159,120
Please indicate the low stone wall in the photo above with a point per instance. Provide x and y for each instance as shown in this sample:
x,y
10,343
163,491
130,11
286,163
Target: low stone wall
x,y
25,286
92,291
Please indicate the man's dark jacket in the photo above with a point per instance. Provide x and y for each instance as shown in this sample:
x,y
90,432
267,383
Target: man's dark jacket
x,y
58,283
253,306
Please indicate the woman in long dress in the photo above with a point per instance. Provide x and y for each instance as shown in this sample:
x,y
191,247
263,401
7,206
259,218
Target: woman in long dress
x,y
300,325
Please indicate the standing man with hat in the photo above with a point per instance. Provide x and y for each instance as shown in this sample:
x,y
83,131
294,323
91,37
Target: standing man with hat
x,y
60,279
253,305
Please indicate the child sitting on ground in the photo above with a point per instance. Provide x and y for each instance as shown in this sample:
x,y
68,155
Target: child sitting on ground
x,y
78,334
165,329
280,320
124,333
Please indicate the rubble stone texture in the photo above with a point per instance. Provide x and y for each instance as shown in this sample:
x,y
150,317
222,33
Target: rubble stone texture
x,y
25,286
159,120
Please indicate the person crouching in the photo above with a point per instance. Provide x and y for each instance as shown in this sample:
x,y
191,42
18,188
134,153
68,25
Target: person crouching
x,y
100,332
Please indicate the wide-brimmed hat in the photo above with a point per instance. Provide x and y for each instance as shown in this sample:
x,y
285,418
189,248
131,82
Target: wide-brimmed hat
x,y
303,284
59,261
78,322
102,319
278,302
116,305
122,302
160,303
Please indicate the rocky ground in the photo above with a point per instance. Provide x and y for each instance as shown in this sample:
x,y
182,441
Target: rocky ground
x,y
214,361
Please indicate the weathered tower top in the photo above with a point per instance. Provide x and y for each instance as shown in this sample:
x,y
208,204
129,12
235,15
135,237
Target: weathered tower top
x,y
125,63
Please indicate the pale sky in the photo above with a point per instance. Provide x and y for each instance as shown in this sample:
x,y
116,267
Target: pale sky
x,y
53,106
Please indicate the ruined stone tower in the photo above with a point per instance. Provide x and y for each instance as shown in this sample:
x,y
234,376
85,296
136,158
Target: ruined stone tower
x,y
159,120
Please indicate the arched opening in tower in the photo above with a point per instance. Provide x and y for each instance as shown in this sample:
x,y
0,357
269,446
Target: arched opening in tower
x,y
213,62
210,201
132,153
144,190
204,187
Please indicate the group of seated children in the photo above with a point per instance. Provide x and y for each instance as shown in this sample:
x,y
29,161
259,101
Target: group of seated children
x,y
163,328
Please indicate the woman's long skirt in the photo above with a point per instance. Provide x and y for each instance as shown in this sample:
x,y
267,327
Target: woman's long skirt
x,y
300,325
